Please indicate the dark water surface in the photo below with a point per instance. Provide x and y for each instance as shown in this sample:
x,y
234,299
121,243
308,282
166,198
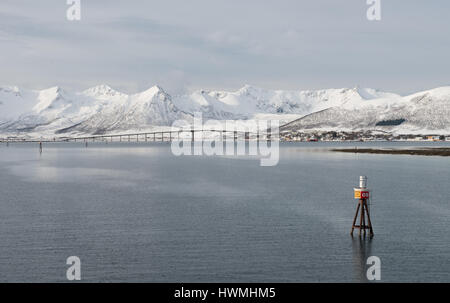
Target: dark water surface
x,y
135,212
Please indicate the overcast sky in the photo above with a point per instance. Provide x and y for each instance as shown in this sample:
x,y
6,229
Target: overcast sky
x,y
211,44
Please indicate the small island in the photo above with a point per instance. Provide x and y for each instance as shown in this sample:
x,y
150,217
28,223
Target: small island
x,y
444,151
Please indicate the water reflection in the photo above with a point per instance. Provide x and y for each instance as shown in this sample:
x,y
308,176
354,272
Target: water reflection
x,y
361,248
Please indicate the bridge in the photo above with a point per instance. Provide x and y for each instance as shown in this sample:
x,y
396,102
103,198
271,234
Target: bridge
x,y
155,136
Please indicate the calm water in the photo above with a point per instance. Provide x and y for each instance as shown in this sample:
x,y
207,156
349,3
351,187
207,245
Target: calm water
x,y
135,212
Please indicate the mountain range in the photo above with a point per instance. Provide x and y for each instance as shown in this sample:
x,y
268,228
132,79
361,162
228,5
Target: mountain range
x,y
101,109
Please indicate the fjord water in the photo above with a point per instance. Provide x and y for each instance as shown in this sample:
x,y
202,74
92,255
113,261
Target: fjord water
x,y
137,213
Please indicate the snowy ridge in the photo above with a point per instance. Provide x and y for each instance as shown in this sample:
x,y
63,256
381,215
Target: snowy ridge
x,y
425,112
101,109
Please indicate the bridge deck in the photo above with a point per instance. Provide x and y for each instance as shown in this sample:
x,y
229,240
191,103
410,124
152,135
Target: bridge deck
x,y
167,135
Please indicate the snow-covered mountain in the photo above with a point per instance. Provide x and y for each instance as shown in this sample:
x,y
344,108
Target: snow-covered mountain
x,y
101,109
121,112
250,102
96,110
426,112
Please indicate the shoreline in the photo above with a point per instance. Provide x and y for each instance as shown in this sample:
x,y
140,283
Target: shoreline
x,y
441,151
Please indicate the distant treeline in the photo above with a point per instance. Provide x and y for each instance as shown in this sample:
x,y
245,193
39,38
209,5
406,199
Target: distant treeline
x,y
390,122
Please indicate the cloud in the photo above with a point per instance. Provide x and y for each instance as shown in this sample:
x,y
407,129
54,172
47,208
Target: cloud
x,y
223,44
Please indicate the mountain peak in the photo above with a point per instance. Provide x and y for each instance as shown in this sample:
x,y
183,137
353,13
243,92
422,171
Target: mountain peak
x,y
46,98
370,93
153,91
157,88
247,89
54,89
101,90
51,92
10,89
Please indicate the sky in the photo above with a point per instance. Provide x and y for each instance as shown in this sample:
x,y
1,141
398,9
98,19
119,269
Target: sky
x,y
211,44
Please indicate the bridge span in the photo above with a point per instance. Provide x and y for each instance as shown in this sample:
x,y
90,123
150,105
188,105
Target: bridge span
x,y
155,136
